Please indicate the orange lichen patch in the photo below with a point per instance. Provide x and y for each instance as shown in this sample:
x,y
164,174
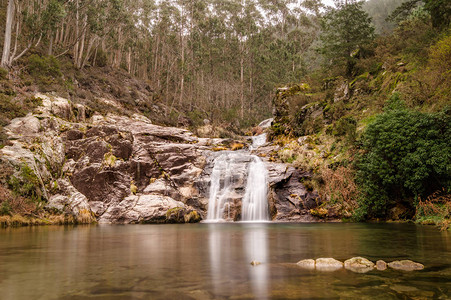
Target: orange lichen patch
x,y
236,146
219,148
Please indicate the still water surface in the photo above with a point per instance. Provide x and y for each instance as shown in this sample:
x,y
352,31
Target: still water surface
x,y
212,261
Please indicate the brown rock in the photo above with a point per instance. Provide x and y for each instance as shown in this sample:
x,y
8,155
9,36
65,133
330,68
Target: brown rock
x,y
359,265
307,264
381,265
405,265
328,264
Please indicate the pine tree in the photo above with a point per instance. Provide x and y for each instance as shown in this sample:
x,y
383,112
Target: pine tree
x,y
346,29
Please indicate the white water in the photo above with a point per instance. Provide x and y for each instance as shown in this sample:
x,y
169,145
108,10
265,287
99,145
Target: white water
x,y
225,175
219,192
255,202
258,141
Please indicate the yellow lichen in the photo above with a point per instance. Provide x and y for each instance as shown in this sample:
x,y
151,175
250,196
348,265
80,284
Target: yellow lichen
x,y
236,146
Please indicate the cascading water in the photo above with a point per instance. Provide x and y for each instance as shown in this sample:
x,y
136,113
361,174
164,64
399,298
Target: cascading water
x,y
255,202
258,140
231,172
221,179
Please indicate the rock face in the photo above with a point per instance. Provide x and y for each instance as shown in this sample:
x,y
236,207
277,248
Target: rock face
x,y
289,199
120,169
328,264
359,265
405,265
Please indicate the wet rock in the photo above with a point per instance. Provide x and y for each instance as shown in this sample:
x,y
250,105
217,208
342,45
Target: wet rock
x,y
307,264
143,209
405,265
359,265
328,264
381,265
290,199
266,123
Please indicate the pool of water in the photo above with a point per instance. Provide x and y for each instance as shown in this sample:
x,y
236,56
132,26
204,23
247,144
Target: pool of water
x,y
212,261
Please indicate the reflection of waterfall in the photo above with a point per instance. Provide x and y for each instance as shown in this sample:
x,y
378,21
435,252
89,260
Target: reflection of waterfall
x,y
238,176
255,202
256,248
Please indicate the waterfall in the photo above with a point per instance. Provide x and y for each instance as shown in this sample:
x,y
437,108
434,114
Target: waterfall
x,y
258,140
219,191
231,172
255,202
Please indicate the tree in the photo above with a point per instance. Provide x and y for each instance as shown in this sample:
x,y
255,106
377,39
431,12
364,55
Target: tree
x,y
8,29
439,11
346,30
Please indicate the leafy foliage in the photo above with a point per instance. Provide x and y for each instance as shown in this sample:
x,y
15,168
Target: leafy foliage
x,y
406,154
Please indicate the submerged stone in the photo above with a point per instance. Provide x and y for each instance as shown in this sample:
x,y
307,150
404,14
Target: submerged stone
x,y
307,264
328,264
406,265
359,265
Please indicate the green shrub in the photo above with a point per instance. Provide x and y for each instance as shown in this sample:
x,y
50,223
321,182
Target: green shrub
x,y
44,69
346,127
101,58
440,54
3,74
405,155
26,184
5,208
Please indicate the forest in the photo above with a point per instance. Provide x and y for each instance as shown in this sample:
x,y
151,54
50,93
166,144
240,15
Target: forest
x,y
366,84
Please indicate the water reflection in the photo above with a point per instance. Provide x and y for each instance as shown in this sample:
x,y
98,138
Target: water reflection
x,y
212,261
256,247
248,243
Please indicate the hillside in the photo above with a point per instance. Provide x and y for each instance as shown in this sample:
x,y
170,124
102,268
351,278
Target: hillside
x,y
361,121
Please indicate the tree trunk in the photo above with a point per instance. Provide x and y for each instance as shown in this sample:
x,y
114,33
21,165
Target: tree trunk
x,y
8,29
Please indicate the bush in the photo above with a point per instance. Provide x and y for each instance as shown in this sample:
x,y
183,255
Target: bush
x,y
26,184
45,70
405,155
440,54
3,74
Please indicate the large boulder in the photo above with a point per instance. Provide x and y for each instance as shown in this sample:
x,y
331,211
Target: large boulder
x,y
145,209
289,199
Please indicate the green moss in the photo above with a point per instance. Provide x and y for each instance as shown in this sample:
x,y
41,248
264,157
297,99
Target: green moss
x,y
109,159
26,184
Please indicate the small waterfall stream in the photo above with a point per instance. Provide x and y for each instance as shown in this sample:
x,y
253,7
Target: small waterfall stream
x,y
232,172
255,201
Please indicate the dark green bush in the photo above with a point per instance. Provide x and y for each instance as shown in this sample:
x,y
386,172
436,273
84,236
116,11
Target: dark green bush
x,y
45,70
346,128
405,155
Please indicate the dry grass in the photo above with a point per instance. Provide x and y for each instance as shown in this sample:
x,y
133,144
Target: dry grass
x,y
435,210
